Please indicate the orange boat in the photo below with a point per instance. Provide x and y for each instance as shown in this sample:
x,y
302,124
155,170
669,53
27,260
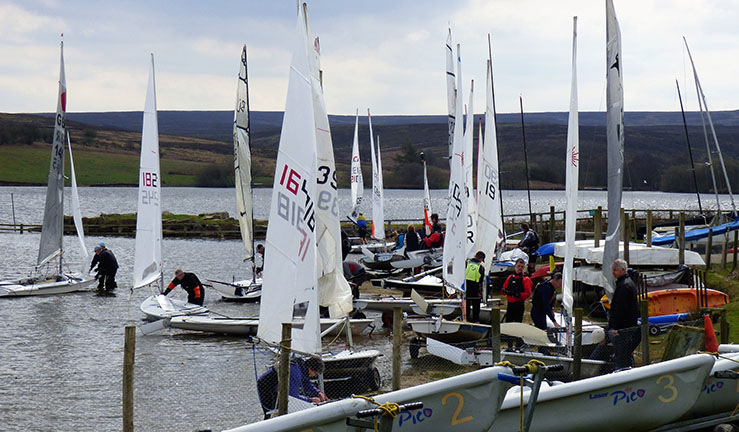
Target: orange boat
x,y
679,300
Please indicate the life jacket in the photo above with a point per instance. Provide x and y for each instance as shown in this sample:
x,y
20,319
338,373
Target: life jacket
x,y
515,286
472,273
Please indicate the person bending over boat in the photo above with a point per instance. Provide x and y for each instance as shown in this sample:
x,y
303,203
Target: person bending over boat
x,y
190,283
362,228
517,288
301,387
623,330
107,266
474,278
529,244
542,301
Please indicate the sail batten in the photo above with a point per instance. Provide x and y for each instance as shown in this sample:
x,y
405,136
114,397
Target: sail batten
x,y
52,230
615,143
147,268
242,160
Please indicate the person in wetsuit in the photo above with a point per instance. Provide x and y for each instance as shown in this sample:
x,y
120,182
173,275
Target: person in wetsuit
x,y
190,283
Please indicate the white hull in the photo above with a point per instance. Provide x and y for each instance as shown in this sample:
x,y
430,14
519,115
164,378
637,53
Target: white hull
x,y
159,306
420,258
718,395
247,290
33,286
470,400
631,400
450,307
639,254
372,247
211,323
449,331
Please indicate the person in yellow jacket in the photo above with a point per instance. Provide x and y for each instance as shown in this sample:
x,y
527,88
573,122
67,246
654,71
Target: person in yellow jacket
x,y
474,278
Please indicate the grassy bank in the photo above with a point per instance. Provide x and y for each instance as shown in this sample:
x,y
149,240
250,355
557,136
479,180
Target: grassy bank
x,y
30,165
728,282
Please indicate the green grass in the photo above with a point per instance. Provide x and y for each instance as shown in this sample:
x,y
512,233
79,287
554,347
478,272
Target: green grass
x,y
30,165
728,282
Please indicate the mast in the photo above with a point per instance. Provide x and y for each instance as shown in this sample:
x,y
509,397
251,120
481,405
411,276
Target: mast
x,y
690,150
702,97
526,161
469,137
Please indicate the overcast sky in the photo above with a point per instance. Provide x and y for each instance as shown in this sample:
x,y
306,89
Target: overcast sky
x,y
384,54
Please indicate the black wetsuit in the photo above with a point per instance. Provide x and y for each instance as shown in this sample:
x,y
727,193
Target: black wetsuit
x,y
107,268
191,284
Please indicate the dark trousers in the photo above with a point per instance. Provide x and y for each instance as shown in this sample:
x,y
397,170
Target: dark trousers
x,y
198,301
514,312
107,281
473,309
624,345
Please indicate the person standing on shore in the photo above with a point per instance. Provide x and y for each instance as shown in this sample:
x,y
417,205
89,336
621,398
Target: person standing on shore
x,y
542,301
474,278
517,288
107,266
623,330
190,283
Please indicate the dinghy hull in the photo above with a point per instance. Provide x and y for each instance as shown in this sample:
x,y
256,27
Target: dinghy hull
x,y
34,287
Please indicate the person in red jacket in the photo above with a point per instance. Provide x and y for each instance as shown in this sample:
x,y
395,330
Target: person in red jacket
x,y
517,287
190,283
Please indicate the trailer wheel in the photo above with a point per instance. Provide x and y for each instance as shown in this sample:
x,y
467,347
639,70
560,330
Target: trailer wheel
x,y
374,381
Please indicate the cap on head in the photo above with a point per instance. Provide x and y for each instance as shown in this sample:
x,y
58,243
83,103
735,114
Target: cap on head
x,y
178,272
97,248
101,244
557,275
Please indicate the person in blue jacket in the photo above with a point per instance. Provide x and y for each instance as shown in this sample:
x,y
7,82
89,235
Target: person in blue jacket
x,y
301,386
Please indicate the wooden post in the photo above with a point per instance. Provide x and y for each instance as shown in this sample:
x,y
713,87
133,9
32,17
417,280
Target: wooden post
x,y
649,228
625,233
724,325
644,307
724,248
709,246
736,238
598,226
397,341
681,239
283,371
551,224
577,346
129,354
495,333
21,228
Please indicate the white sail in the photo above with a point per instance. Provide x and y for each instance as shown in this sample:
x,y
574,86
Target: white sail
x,y
490,237
357,181
480,165
76,213
242,160
571,182
378,215
289,288
451,93
455,239
469,135
333,289
147,267
427,212
615,143
50,245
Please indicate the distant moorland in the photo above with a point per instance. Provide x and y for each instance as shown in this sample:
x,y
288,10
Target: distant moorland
x,y
196,148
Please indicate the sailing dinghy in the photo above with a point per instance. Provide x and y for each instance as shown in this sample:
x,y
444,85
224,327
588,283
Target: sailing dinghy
x,y
47,278
147,268
249,289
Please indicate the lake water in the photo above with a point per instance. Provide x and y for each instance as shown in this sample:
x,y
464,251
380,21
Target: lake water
x,y
61,356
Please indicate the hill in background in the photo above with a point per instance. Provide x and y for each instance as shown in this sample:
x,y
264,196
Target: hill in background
x,y
197,148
